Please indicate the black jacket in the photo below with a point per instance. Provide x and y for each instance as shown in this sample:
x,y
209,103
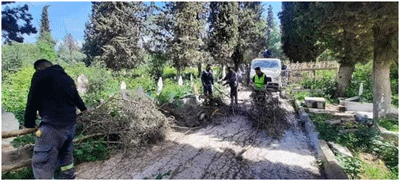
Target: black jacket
x,y
207,78
231,79
53,93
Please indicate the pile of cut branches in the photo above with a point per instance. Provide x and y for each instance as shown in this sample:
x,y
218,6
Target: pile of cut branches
x,y
192,114
125,120
270,117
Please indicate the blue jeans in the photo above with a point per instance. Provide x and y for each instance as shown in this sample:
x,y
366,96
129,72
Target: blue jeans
x,y
54,148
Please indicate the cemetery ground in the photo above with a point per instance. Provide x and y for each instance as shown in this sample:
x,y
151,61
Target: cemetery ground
x,y
224,147
129,136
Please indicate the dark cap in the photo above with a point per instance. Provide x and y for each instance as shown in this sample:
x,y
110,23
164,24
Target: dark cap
x,y
208,65
257,68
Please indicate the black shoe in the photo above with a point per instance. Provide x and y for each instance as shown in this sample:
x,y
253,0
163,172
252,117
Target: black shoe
x,y
68,174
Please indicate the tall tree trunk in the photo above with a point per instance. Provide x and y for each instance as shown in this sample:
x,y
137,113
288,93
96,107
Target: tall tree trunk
x,y
380,71
344,78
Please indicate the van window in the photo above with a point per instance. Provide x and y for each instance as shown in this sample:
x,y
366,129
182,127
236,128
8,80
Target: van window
x,y
266,64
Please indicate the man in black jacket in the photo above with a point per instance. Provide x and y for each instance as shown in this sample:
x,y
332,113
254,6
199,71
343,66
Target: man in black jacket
x,y
207,79
53,93
232,80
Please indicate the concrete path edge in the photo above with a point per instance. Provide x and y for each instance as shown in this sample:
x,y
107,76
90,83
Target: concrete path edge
x,y
331,166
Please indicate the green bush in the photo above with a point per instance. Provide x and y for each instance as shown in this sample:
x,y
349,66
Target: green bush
x,y
171,88
389,124
169,72
324,80
15,91
23,140
363,74
101,82
24,173
90,151
301,95
351,165
364,139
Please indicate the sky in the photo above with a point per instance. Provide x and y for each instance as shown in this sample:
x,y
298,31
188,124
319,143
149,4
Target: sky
x,y
71,17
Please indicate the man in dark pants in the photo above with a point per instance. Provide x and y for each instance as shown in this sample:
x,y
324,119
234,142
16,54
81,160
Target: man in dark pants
x,y
207,79
232,80
53,93
260,80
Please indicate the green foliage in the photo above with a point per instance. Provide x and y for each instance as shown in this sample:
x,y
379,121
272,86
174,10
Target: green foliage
x,y
351,165
157,64
169,72
90,151
117,47
23,140
324,80
389,124
299,32
361,74
363,139
15,91
186,25
24,173
13,18
223,30
46,46
14,56
171,88
301,95
375,172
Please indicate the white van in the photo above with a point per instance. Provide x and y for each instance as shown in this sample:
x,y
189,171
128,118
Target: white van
x,y
272,68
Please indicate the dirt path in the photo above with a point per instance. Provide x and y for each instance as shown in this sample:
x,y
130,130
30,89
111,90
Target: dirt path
x,y
231,149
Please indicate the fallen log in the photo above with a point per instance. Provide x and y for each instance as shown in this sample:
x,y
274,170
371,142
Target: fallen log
x,y
15,133
21,164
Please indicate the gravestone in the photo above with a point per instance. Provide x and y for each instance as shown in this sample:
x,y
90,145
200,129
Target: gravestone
x,y
124,94
315,102
9,123
82,84
140,92
159,85
223,71
180,81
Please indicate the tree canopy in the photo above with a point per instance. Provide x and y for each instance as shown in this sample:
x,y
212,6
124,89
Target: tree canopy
x,y
12,30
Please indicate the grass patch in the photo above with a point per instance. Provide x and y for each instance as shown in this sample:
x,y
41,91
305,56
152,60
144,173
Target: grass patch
x,y
374,168
389,124
364,140
24,173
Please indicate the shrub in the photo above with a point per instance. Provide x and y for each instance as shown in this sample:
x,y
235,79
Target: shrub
x,y
169,72
389,124
90,151
171,88
24,173
324,80
101,82
15,91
